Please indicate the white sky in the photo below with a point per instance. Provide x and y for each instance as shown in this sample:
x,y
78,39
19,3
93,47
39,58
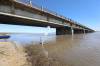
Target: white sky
x,y
25,29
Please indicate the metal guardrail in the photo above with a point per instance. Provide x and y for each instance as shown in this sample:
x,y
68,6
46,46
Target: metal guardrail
x,y
27,2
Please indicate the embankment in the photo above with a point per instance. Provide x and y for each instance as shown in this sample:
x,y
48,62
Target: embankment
x,y
11,54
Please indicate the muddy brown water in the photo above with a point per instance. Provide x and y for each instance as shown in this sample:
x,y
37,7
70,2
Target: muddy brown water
x,y
77,50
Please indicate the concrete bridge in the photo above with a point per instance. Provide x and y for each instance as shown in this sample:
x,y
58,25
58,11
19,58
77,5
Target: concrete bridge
x,y
19,13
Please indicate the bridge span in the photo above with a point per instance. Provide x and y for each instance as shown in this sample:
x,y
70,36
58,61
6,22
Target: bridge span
x,y
19,13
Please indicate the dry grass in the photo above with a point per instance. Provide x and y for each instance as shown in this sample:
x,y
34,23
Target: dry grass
x,y
37,57
10,56
29,55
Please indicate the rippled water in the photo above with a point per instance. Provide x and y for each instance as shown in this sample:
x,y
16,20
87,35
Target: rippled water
x,y
31,38
83,50
77,50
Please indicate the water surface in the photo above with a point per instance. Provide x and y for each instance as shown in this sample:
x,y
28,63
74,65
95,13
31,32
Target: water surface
x,y
77,50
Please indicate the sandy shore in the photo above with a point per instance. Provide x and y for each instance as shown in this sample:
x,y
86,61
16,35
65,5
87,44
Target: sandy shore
x,y
11,54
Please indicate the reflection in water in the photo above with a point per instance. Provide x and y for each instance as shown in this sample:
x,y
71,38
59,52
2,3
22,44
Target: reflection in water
x,y
83,50
42,42
32,38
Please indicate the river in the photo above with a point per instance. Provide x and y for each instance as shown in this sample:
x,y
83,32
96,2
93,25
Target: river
x,y
77,50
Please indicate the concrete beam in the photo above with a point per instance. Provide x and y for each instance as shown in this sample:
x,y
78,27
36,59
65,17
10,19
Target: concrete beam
x,y
13,12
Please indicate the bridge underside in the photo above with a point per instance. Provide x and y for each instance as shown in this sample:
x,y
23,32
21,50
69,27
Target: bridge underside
x,y
5,19
14,20
12,12
68,30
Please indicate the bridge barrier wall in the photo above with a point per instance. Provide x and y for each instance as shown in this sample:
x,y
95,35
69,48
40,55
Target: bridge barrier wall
x,y
29,14
21,11
25,13
55,20
6,9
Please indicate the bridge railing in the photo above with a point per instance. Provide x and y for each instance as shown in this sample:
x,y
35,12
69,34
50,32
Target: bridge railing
x,y
26,2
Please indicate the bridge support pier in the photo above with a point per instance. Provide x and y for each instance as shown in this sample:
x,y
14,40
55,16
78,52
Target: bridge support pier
x,y
84,31
72,31
69,30
78,31
62,31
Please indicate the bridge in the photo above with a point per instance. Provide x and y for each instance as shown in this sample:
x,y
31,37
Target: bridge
x,y
20,13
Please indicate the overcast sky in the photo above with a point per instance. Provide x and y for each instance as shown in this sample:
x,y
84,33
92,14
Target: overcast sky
x,y
26,29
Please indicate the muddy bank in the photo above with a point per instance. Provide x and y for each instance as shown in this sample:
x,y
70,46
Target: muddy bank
x,y
11,54
38,56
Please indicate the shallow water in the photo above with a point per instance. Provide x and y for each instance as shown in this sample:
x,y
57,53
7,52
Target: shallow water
x,y
77,50
32,38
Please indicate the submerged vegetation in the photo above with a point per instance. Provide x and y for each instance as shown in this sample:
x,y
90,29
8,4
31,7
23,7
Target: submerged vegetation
x,y
37,57
27,55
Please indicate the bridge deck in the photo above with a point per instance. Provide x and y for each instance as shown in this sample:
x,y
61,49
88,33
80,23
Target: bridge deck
x,y
13,12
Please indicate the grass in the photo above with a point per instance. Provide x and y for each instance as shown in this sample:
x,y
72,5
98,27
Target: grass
x,y
36,57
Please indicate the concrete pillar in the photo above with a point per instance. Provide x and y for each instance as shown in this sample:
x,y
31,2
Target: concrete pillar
x,y
72,31
48,28
62,31
84,31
